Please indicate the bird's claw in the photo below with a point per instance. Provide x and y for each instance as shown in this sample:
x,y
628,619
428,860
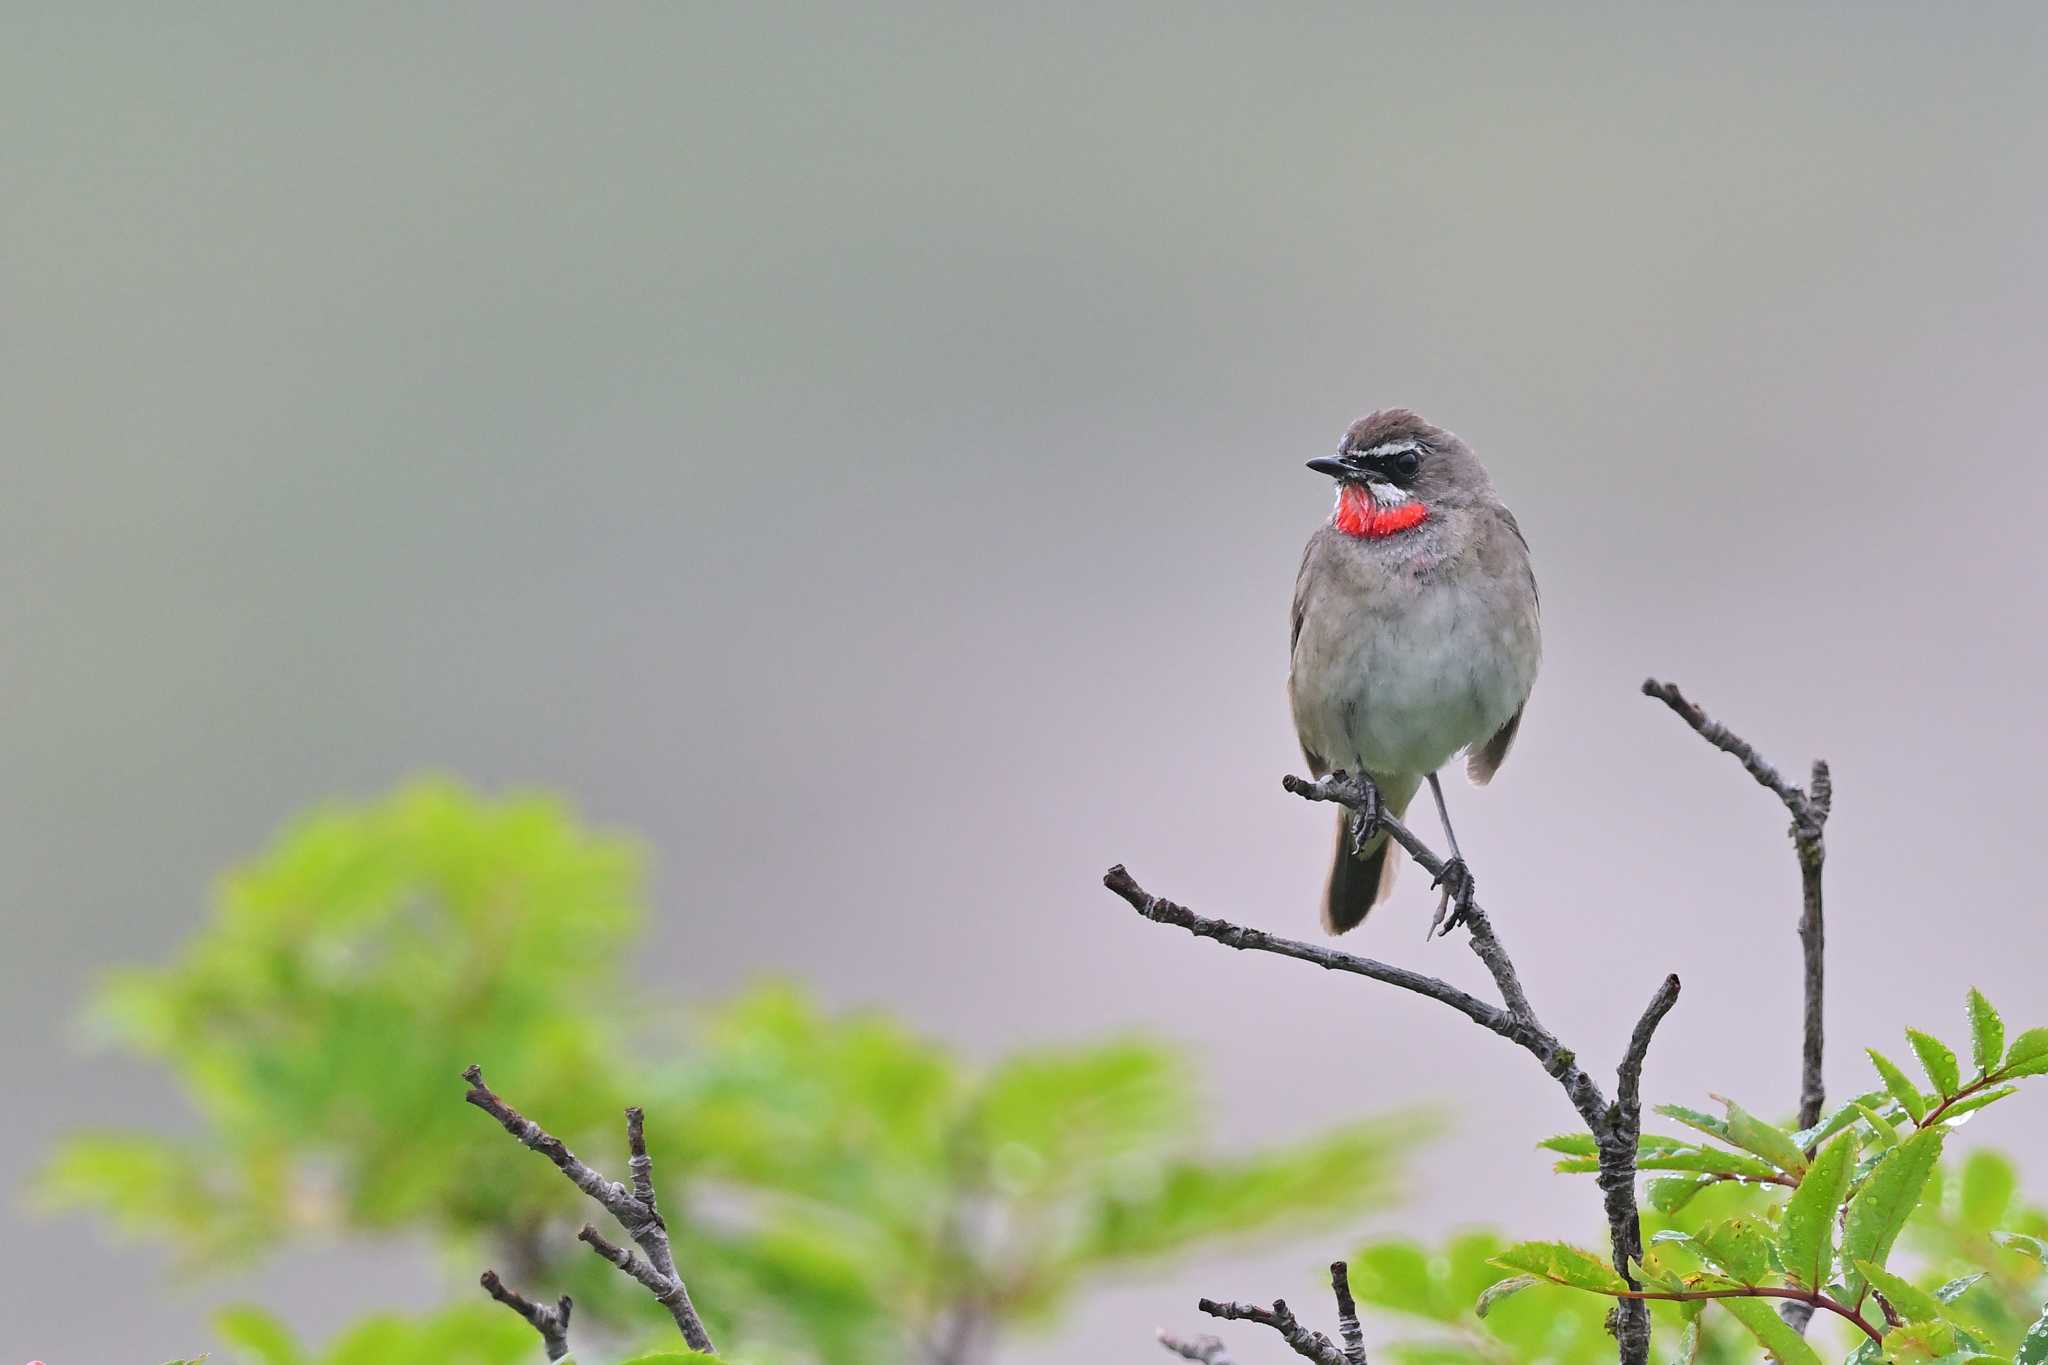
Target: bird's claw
x,y
1365,821
1456,885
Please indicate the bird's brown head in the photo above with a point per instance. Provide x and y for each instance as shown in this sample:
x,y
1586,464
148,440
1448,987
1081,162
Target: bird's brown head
x,y
1392,467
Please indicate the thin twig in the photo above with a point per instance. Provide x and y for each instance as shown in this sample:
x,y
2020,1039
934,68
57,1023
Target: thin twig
x,y
1347,1314
636,1214
1809,809
1615,1130
551,1323
1309,1345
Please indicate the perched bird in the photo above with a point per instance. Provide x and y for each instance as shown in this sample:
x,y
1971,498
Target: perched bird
x,y
1415,636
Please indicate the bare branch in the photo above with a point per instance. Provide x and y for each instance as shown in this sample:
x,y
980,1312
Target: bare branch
x,y
1615,1129
1809,809
1347,1314
551,1323
1629,1075
1208,1350
1357,794
1162,911
636,1214
1309,1345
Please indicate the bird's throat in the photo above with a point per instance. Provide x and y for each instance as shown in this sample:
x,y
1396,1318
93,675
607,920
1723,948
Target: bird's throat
x,y
1366,517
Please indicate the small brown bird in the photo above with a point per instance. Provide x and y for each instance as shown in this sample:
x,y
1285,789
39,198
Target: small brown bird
x,y
1415,636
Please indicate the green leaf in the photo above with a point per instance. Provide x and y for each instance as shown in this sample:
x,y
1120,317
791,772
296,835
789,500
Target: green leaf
x,y
1767,1140
1909,1302
2034,1347
1398,1275
1705,1123
1673,1193
1837,1121
2025,1245
2028,1055
1689,1342
1957,1287
1970,1104
1987,1034
1563,1264
1920,1342
256,1334
1880,1208
1739,1247
1501,1289
1898,1086
1988,1185
1760,1316
1572,1144
1807,1232
666,1358
1938,1060
1880,1127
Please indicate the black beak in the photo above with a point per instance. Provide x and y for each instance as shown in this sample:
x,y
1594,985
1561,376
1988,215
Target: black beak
x,y
1335,468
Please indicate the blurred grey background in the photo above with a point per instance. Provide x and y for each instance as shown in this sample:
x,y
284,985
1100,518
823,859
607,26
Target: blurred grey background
x,y
862,453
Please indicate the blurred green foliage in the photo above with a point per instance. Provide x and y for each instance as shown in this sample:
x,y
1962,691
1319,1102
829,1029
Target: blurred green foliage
x,y
840,1189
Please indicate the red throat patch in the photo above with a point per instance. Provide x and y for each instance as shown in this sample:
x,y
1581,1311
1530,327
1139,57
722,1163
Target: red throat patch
x,y
1358,514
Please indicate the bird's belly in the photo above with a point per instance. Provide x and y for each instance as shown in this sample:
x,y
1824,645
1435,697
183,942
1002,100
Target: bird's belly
x,y
1401,691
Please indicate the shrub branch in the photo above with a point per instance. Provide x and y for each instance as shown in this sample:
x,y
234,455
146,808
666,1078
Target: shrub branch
x,y
635,1208
551,1323
1615,1127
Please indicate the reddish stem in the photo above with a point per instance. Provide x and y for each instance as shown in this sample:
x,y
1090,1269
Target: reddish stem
x,y
1752,1292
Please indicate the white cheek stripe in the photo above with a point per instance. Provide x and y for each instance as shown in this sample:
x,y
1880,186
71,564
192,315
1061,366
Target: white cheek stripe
x,y
1386,495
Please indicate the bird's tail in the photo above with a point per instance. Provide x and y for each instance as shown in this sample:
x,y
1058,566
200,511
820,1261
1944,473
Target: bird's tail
x,y
1359,881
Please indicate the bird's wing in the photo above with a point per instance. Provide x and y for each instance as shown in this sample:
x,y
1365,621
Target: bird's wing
x,y
1482,762
1534,592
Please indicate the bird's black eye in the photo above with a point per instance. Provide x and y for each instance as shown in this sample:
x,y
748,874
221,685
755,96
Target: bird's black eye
x,y
1405,464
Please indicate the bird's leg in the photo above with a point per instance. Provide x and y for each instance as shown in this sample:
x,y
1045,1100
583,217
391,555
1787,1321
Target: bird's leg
x,y
1365,821
1455,879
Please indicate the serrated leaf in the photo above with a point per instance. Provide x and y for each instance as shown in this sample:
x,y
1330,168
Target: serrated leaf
x,y
1501,1289
1970,1104
1879,1209
1938,1060
2034,1346
1760,1316
1673,1193
1837,1121
1907,1300
1807,1231
1987,1034
1709,1161
1880,1127
1705,1123
1739,1247
2028,1055
1767,1140
1919,1342
1561,1263
1898,1086
1571,1144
